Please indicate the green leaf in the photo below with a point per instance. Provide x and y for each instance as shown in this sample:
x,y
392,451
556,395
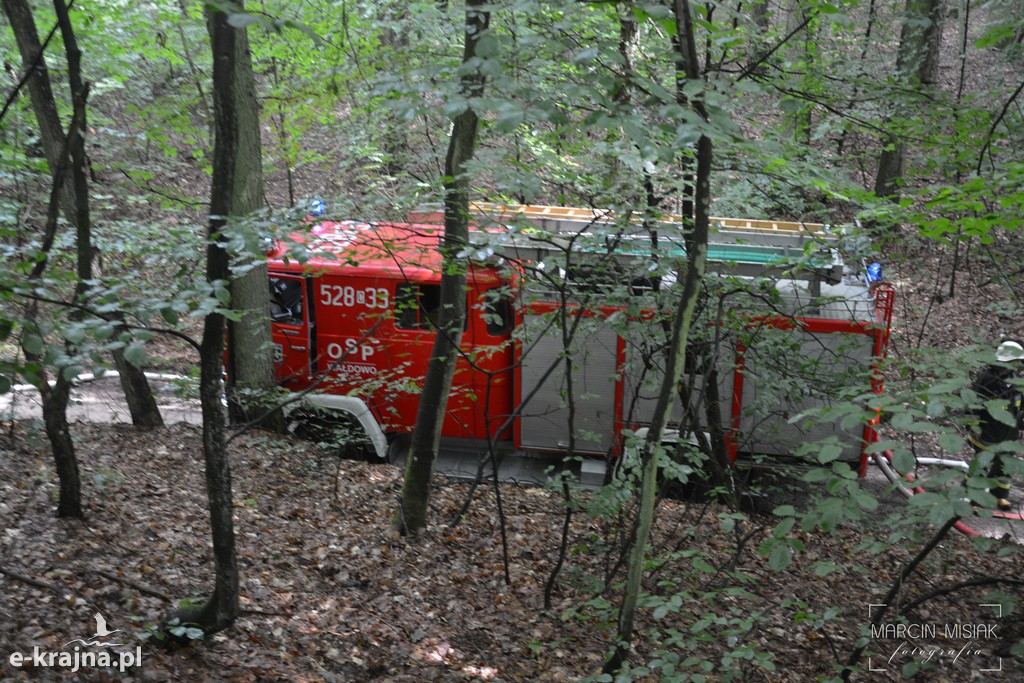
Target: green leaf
x,y
223,294
169,315
5,329
951,443
824,568
33,374
784,527
781,556
998,410
5,384
135,353
865,500
32,343
829,452
903,461
588,54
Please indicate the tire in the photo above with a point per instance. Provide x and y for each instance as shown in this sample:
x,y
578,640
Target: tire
x,y
336,432
398,448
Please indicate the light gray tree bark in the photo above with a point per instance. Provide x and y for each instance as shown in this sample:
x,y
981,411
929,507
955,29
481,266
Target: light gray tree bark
x,y
917,64
250,358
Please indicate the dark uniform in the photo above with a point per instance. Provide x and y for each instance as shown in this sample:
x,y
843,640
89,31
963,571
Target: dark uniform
x,y
993,384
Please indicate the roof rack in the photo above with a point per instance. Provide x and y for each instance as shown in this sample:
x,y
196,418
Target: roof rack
x,y
741,246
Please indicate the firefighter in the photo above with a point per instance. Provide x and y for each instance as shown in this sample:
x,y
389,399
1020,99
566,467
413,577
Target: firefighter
x,y
993,383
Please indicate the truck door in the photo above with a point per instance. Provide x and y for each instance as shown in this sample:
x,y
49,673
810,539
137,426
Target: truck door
x,y
488,343
291,329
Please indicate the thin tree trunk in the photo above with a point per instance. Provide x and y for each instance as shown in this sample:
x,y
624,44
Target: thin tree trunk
x,y
396,140
223,607
798,26
55,419
916,65
696,250
412,515
197,79
138,395
55,399
51,133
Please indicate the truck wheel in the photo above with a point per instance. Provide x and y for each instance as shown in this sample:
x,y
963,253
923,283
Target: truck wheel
x,y
335,432
398,448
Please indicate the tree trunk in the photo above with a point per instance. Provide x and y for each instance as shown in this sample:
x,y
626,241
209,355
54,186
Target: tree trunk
x,y
51,133
222,608
250,360
696,249
759,23
56,420
74,194
412,515
55,399
137,393
395,139
916,64
197,78
59,150
797,26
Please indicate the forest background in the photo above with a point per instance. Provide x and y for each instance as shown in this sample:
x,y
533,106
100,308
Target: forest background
x,y
903,117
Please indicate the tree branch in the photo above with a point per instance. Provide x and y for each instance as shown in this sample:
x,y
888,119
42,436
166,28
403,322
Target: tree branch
x,y
761,59
132,584
85,309
952,588
13,95
995,124
896,586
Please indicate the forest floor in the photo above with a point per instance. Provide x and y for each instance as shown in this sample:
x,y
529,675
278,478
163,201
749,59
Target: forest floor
x,y
331,593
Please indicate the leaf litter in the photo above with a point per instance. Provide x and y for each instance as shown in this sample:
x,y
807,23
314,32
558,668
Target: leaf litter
x,y
331,593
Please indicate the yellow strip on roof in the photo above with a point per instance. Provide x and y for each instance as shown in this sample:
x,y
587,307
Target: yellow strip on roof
x,y
605,216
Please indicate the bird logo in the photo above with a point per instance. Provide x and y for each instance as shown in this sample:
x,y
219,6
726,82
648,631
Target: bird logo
x,y
101,632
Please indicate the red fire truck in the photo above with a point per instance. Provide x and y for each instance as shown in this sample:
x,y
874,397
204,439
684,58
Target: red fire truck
x,y
560,349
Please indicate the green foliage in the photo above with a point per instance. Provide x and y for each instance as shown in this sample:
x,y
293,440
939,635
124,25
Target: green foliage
x,y
356,102
174,627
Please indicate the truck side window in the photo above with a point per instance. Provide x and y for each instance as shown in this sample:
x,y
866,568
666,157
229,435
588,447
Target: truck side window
x,y
286,300
497,312
417,306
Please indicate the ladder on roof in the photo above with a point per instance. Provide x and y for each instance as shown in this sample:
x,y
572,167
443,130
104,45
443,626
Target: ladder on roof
x,y
742,246
566,217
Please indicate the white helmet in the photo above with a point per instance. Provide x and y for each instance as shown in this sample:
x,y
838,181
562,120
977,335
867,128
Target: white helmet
x,y
1009,351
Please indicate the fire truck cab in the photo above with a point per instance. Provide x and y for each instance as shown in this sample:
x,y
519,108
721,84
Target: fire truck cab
x,y
354,325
